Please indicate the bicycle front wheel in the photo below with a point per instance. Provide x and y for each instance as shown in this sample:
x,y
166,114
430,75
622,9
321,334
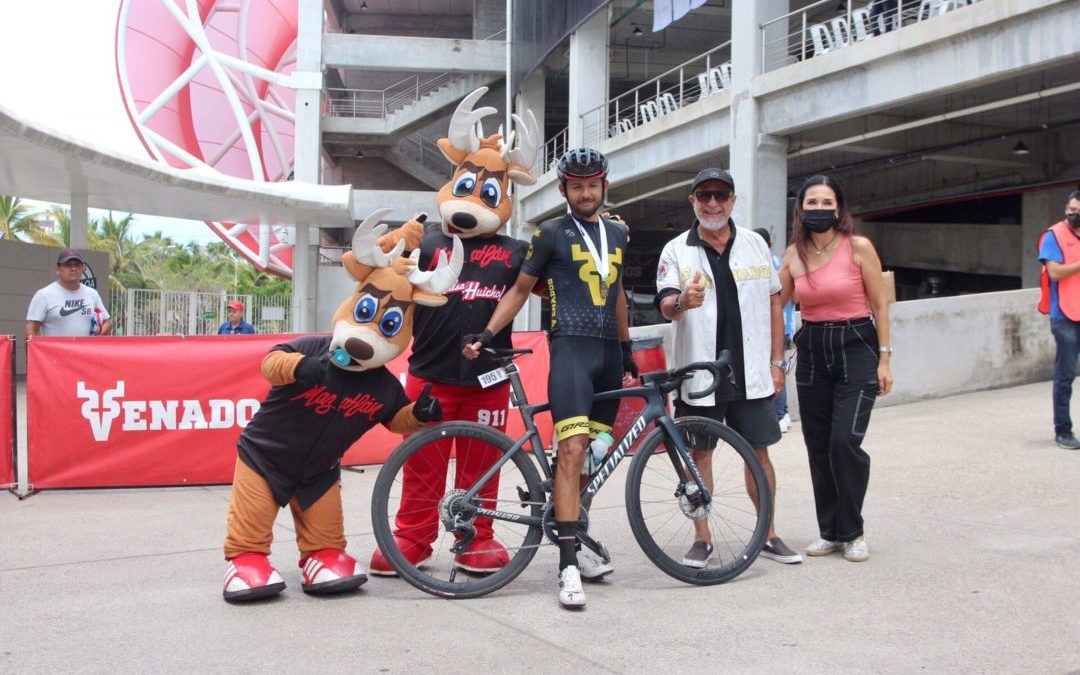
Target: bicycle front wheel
x,y
420,513
668,522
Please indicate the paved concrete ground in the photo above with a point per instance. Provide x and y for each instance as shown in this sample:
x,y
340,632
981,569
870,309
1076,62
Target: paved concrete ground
x,y
973,522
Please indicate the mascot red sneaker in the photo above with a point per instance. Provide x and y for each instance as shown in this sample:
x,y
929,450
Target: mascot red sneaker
x,y
327,392
474,206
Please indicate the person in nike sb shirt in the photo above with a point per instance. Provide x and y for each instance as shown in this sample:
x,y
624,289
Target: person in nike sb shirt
x,y
66,306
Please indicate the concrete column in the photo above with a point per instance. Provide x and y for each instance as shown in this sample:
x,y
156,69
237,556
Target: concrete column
x,y
1039,211
758,161
588,82
80,221
308,159
532,97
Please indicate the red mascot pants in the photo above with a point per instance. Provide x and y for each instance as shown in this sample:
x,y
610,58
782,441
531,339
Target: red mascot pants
x,y
425,473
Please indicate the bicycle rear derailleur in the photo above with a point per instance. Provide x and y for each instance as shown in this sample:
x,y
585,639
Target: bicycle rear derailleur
x,y
458,516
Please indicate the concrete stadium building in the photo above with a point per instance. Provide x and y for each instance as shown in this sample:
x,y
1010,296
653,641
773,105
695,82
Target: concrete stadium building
x,y
952,124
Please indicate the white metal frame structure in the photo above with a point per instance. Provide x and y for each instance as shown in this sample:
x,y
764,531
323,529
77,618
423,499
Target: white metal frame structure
x,y
265,244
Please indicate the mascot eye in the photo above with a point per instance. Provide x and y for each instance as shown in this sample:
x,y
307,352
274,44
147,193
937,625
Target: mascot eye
x,y
491,193
391,321
465,184
365,309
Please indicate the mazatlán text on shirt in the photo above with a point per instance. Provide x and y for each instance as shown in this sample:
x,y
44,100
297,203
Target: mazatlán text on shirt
x,y
325,401
483,256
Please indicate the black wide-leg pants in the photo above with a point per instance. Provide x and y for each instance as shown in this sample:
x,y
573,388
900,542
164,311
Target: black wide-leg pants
x,y
836,378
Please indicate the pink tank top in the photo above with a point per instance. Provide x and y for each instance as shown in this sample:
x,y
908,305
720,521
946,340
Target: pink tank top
x,y
837,293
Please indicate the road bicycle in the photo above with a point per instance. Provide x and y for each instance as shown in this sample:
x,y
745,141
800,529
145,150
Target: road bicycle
x,y
677,491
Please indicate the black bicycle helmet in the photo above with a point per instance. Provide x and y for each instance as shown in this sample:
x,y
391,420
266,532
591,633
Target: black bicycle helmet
x,y
582,163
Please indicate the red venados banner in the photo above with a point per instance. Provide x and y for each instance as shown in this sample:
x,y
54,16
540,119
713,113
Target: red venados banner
x,y
133,411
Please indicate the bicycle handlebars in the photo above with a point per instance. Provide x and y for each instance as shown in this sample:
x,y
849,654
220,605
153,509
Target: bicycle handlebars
x,y
686,372
658,378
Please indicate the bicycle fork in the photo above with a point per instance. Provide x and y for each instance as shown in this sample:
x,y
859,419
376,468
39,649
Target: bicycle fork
x,y
682,462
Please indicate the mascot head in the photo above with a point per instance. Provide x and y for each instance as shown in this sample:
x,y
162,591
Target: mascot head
x,y
374,324
476,202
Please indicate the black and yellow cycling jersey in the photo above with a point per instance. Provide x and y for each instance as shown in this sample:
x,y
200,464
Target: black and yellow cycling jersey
x,y
581,302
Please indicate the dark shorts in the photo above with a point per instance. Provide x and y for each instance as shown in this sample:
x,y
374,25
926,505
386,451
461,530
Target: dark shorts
x,y
581,367
753,420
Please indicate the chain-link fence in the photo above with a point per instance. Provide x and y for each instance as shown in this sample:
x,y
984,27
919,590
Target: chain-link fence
x,y
152,312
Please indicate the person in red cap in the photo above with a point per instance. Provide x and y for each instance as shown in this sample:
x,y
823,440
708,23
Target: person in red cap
x,y
67,306
236,324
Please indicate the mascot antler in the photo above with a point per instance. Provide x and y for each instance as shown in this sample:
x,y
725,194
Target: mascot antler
x,y
364,248
465,130
527,133
366,251
445,274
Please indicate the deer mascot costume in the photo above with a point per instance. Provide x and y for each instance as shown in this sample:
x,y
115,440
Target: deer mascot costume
x,y
327,392
474,206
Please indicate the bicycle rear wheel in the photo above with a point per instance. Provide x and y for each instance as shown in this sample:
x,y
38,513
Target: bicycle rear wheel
x,y
666,523
420,490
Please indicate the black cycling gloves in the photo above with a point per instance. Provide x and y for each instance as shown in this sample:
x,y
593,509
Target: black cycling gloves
x,y
629,365
484,337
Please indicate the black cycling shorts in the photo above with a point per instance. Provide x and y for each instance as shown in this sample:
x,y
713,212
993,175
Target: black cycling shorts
x,y
581,367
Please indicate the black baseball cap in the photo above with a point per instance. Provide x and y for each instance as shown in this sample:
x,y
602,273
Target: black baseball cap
x,y
68,254
712,173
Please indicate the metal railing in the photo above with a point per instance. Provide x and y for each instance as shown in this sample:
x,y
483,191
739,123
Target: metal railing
x,y
813,30
554,148
425,152
381,103
155,312
686,83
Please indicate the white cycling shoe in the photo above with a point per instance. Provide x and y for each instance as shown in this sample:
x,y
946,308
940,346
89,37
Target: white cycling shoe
x,y
592,569
571,594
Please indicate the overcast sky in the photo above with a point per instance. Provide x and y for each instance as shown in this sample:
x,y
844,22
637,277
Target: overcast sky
x,y
59,69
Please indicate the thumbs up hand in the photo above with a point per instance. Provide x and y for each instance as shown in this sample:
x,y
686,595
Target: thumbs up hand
x,y
694,293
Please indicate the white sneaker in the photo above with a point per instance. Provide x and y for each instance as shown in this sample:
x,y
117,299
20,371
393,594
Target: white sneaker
x,y
592,569
570,592
824,547
785,423
856,550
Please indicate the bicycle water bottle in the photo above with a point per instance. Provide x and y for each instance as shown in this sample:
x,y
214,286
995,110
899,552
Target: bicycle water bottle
x,y
596,452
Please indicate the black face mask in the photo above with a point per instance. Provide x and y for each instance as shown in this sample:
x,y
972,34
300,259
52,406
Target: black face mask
x,y
819,220
1074,220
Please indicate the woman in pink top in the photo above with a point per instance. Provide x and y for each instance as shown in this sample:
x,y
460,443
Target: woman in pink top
x,y
844,352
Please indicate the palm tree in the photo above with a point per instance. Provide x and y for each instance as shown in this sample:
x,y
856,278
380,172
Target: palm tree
x,y
18,222
114,237
62,217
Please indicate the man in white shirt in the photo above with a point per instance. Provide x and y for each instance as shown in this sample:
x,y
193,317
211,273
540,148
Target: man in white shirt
x,y
66,306
717,286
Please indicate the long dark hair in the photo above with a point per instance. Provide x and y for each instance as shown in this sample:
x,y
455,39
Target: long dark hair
x,y
800,234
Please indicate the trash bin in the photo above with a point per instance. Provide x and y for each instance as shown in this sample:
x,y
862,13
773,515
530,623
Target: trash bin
x,y
649,356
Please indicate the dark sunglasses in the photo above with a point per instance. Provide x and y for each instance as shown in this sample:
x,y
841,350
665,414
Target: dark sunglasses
x,y
704,196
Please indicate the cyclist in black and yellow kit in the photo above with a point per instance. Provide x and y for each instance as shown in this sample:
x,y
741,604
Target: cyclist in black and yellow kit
x,y
579,258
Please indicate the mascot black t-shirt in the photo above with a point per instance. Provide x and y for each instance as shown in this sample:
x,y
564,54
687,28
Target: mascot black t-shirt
x,y
490,269
297,438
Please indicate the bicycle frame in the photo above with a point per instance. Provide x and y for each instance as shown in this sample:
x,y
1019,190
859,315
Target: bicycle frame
x,y
654,411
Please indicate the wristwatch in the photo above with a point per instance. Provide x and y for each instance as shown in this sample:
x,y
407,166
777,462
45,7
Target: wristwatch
x,y
678,305
782,364
885,350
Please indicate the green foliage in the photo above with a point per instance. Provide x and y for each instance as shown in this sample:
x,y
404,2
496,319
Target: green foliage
x,y
157,262
18,222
